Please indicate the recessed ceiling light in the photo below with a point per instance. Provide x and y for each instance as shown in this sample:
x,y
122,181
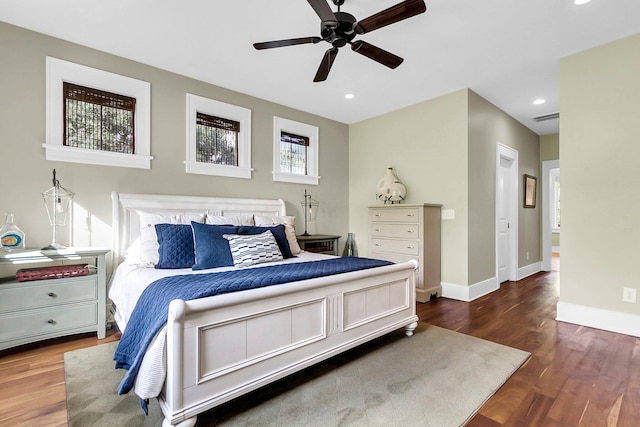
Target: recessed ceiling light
x,y
580,2
539,101
349,96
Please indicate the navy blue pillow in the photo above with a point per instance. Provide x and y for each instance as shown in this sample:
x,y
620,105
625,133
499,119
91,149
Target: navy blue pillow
x,y
278,233
212,250
176,246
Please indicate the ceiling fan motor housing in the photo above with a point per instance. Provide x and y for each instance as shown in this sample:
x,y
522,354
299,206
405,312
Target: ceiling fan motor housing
x,y
343,33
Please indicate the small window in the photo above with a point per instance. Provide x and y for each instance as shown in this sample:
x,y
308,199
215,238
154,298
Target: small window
x,y
295,148
97,117
98,120
293,153
218,138
555,214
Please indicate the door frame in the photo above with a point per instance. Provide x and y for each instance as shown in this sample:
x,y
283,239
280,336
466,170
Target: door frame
x,y
547,194
503,151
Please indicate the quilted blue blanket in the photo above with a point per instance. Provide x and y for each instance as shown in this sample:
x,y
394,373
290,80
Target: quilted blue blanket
x,y
151,311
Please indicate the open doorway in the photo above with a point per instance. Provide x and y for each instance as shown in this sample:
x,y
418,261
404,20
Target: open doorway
x,y
551,215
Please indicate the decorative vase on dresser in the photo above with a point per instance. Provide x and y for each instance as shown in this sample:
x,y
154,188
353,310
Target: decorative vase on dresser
x,y
400,233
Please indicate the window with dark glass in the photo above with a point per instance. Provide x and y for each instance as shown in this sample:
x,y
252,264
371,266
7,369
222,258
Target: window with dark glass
x,y
98,120
216,140
293,153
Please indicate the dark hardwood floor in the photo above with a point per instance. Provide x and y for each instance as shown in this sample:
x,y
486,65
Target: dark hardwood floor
x,y
576,376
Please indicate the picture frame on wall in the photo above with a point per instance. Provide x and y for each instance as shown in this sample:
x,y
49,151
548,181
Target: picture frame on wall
x,y
530,183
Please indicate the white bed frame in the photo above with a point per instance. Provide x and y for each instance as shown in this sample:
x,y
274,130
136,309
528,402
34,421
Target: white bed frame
x,y
219,348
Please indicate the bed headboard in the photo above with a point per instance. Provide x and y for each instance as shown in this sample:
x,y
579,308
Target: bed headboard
x,y
126,227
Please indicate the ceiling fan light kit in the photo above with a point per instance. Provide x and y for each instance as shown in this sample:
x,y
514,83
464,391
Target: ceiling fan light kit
x,y
340,28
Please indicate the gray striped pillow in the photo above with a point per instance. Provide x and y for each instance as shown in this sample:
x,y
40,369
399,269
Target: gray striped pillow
x,y
253,249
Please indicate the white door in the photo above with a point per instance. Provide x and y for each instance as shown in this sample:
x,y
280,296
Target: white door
x,y
506,213
504,269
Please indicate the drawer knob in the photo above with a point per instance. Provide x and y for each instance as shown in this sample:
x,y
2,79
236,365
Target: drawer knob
x,y
377,229
409,231
52,295
51,322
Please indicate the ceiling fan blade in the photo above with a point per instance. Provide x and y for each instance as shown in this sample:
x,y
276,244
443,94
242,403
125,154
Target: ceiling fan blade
x,y
287,42
396,13
377,54
324,12
325,65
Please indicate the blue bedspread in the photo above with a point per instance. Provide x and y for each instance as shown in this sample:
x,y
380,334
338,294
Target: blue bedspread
x,y
151,311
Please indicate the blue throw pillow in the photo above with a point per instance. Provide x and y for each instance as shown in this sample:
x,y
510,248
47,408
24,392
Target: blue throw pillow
x,y
175,246
211,249
278,233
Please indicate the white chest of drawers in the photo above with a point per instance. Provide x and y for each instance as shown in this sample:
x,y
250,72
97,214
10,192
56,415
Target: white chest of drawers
x,y
399,233
41,309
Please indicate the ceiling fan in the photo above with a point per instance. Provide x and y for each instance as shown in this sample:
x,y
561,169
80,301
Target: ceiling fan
x,y
340,28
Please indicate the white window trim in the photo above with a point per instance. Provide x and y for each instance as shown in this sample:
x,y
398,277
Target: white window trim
x,y
211,107
302,129
58,72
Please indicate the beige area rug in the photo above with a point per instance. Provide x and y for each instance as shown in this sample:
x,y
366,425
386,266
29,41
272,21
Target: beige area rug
x,y
436,378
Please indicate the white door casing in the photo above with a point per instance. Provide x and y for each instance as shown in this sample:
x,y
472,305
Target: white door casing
x,y
506,213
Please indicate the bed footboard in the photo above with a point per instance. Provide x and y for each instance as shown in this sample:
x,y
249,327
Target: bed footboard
x,y
223,347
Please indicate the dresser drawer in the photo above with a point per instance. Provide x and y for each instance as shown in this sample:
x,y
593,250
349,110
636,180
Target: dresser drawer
x,y
46,293
39,322
401,246
396,215
385,229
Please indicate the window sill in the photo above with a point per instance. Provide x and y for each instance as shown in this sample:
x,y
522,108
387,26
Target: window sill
x,y
94,157
218,170
296,179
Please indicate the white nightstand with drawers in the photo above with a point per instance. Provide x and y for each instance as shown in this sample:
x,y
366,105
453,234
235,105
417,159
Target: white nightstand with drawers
x,y
402,232
40,309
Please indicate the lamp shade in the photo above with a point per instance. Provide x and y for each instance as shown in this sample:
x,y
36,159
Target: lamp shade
x,y
58,201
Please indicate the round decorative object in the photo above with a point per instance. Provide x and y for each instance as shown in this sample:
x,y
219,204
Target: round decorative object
x,y
398,192
390,189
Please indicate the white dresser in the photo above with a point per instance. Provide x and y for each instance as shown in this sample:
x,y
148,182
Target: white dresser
x,y
402,232
40,309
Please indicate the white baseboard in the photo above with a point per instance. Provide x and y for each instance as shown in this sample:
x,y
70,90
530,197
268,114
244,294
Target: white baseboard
x,y
614,321
471,292
528,270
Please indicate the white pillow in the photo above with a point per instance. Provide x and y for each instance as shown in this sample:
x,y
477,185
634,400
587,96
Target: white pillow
x,y
253,249
229,220
289,228
148,241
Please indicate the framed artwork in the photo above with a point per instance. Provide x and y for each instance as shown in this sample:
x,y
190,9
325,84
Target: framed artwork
x,y
530,191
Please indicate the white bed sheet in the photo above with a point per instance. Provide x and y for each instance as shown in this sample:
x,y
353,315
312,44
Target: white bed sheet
x,y
129,281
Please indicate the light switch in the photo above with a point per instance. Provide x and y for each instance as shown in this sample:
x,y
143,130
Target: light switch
x,y
448,214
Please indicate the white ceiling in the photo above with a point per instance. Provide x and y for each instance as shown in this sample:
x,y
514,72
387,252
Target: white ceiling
x,y
508,51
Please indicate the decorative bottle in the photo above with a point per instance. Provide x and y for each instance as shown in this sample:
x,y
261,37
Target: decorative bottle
x,y
350,247
11,237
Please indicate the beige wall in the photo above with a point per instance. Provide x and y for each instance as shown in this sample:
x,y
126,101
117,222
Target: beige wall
x,y
550,147
26,173
444,152
489,125
550,150
426,145
600,134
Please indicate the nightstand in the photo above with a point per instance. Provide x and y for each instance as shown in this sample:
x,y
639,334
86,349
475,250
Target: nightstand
x,y
319,243
40,309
